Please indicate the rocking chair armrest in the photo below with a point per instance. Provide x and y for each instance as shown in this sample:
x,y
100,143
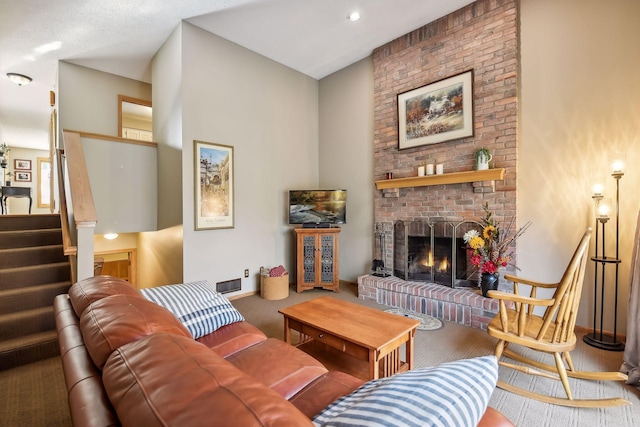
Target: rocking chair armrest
x,y
506,296
516,279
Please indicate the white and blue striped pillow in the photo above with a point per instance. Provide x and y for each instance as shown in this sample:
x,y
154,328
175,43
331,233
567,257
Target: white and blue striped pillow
x,y
197,305
452,394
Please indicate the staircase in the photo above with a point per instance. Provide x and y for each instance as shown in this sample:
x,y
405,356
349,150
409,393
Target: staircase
x,y
33,270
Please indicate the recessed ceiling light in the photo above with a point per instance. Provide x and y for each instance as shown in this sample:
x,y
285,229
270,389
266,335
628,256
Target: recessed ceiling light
x,y
19,79
353,16
111,236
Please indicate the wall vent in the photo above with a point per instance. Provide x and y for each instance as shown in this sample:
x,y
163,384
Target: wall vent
x,y
228,286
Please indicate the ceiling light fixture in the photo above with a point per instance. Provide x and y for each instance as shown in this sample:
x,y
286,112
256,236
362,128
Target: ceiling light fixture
x,y
19,79
111,236
353,16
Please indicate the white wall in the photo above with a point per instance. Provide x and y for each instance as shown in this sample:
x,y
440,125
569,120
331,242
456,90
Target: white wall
x,y
20,206
346,159
269,114
579,102
121,206
160,254
167,128
88,99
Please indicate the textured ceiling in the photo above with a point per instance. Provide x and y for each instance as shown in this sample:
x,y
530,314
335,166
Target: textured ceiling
x,y
311,36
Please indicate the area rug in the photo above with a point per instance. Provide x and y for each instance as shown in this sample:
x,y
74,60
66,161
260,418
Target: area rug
x,y
427,323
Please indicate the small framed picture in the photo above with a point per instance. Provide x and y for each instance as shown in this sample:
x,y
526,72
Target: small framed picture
x,y
22,176
22,165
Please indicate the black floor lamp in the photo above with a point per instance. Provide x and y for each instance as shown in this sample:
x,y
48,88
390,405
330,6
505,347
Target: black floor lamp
x,y
598,338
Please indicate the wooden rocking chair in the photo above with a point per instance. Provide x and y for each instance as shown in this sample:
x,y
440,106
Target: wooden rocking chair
x,y
552,333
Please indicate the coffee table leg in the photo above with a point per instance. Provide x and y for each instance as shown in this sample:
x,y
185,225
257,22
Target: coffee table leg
x,y
410,349
374,365
287,331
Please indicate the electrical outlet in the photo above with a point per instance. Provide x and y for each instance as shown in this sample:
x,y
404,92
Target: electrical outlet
x,y
246,272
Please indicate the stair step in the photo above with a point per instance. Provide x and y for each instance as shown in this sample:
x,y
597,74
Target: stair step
x,y
28,349
13,300
29,222
21,257
13,278
27,322
33,270
12,239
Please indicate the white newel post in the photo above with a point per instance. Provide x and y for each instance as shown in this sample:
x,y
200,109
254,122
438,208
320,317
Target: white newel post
x,y
85,252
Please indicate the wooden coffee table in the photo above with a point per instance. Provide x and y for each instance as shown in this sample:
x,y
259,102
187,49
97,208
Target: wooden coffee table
x,y
362,341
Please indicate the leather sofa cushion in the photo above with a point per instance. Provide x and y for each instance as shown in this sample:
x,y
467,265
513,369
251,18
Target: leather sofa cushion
x,y
324,391
279,366
233,338
95,288
165,379
119,319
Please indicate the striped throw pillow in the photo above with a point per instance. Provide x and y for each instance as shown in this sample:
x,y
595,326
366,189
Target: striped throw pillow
x,y
197,305
452,394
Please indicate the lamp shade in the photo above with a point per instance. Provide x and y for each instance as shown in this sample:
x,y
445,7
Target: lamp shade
x,y
617,162
604,207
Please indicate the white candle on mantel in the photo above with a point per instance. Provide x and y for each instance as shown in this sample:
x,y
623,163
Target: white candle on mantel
x,y
439,169
430,169
420,170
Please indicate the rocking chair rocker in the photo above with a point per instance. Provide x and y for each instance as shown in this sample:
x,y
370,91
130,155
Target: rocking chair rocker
x,y
552,333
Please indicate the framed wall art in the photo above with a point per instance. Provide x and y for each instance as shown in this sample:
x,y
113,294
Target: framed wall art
x,y
213,170
20,176
437,112
19,164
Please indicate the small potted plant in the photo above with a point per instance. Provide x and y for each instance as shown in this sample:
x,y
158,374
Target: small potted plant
x,y
483,157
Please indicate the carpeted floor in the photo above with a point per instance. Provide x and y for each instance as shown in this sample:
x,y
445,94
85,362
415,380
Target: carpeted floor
x,y
34,395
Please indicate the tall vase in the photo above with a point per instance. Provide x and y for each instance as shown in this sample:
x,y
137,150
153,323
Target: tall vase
x,y
489,282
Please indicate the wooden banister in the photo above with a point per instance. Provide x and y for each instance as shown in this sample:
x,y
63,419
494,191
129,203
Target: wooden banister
x,y
82,206
84,211
67,242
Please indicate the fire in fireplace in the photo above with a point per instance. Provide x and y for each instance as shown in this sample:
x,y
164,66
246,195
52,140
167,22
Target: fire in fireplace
x,y
433,252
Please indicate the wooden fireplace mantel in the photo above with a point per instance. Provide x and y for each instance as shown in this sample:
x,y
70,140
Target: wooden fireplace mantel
x,y
443,179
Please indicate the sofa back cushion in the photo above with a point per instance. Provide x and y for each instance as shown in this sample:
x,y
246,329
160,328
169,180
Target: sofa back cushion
x,y
86,291
119,319
166,379
197,305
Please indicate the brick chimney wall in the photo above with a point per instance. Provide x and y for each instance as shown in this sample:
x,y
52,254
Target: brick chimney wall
x,y
482,37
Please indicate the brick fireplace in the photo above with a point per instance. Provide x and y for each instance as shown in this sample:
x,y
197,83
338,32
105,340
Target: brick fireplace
x,y
482,37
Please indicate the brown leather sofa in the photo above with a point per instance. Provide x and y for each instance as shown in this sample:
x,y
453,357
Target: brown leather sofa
x,y
130,362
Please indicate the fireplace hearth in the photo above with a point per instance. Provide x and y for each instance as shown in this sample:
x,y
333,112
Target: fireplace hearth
x,y
434,252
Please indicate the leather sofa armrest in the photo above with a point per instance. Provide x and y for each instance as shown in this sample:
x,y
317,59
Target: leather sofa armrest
x,y
88,402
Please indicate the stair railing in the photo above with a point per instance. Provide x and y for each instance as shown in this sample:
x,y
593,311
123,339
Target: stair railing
x,y
79,216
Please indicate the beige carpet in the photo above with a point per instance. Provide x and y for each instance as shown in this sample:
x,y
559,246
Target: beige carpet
x,y
453,342
34,395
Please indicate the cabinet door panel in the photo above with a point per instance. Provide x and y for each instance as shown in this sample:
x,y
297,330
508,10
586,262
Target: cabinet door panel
x,y
309,249
326,259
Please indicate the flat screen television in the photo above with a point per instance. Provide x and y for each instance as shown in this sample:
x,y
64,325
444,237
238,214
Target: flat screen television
x,y
317,206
